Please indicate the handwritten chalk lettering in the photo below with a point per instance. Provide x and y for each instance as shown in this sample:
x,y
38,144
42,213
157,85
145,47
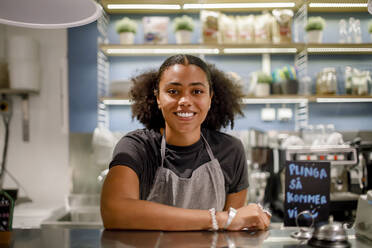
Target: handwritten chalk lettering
x,y
303,198
295,184
292,213
314,213
305,171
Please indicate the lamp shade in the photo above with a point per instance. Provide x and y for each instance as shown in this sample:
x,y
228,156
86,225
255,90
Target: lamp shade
x,y
52,14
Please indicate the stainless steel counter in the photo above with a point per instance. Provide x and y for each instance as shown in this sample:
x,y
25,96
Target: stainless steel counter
x,y
72,237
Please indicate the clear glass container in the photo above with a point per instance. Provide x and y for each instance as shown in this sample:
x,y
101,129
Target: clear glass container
x,y
326,83
342,25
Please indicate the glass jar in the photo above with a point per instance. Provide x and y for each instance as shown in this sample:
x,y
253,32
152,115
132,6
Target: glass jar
x,y
326,83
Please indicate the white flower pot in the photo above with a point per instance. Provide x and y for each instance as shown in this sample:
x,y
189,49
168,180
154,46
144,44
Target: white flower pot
x,y
126,38
314,36
262,89
183,37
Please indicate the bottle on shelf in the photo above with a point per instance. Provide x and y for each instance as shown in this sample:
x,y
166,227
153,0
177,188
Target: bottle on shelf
x,y
342,31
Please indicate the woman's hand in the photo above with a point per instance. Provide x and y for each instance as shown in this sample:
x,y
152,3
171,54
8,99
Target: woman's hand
x,y
251,216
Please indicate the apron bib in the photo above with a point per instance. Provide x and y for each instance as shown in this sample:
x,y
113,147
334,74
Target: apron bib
x,y
205,188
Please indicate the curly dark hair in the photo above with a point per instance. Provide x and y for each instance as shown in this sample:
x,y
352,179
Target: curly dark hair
x,y
225,101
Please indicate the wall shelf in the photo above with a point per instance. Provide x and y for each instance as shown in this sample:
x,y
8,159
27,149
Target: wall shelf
x,y
211,49
179,6
234,49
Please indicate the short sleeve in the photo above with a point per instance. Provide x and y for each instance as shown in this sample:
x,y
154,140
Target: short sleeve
x,y
129,151
239,180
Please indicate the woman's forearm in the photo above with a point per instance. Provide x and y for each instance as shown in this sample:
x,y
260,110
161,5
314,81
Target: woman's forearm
x,y
145,215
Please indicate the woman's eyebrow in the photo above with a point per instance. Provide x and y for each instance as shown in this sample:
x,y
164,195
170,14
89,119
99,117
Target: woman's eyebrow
x,y
192,84
198,84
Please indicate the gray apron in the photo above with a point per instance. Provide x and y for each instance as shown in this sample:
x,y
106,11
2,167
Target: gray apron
x,y
205,188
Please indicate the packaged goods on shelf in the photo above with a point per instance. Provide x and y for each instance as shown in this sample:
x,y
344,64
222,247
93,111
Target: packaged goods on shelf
x,y
262,28
155,29
357,81
245,29
282,31
210,28
227,25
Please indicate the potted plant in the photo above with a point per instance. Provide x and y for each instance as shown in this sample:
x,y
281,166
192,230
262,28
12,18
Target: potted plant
x,y
314,28
263,84
370,28
183,27
126,28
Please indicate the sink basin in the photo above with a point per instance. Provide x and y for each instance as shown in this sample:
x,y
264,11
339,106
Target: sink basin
x,y
76,218
82,211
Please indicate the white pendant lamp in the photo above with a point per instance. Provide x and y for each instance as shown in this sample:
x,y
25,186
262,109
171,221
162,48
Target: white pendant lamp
x,y
49,14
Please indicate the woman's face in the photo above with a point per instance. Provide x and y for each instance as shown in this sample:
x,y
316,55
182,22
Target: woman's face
x,y
184,98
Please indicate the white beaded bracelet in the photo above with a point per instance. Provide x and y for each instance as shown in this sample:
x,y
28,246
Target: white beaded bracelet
x,y
214,220
232,213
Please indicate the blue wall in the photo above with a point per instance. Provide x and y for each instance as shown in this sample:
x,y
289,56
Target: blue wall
x,y
83,89
82,67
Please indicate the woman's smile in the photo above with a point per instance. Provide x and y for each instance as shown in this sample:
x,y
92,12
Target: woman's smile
x,y
185,115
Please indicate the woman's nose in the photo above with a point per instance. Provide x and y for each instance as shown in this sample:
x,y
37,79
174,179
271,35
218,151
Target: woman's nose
x,y
184,100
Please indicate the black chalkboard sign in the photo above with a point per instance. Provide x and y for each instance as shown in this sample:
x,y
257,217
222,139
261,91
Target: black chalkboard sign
x,y
6,211
307,186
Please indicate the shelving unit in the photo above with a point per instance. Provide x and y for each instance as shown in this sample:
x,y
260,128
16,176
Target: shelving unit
x,y
298,49
24,94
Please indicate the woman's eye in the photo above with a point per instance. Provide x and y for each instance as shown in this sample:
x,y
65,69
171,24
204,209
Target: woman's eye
x,y
172,91
197,92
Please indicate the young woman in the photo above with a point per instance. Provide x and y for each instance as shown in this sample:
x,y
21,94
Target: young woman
x,y
180,172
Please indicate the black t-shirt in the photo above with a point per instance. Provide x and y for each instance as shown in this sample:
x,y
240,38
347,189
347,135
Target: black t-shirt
x,y
140,150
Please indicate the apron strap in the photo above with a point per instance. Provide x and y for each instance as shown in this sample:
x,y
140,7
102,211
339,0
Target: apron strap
x,y
209,150
162,149
163,144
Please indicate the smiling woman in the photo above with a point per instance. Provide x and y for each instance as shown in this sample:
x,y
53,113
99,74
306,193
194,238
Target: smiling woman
x,y
181,172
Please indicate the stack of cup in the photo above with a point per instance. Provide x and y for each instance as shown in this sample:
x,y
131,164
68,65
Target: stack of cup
x,y
24,63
